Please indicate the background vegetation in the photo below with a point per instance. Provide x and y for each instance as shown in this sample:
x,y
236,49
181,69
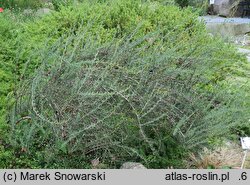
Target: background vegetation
x,y
20,4
85,82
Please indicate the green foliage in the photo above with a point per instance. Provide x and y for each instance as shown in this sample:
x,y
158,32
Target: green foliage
x,y
7,68
20,4
200,6
182,3
60,3
9,30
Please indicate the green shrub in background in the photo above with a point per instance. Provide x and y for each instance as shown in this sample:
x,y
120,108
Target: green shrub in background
x,y
20,4
7,67
200,6
9,26
183,3
60,3
10,29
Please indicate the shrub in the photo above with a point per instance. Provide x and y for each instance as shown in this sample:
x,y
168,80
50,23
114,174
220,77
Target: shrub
x,y
122,100
11,24
200,6
20,4
183,3
7,68
60,3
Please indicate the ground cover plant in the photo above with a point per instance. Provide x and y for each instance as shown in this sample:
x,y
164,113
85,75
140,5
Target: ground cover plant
x,y
8,34
116,81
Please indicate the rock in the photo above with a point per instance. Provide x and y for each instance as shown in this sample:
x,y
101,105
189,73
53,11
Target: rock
x,y
227,27
227,8
223,7
227,30
43,11
132,165
242,40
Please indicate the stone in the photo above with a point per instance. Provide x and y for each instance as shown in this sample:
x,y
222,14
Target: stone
x,y
226,8
242,40
132,165
43,11
226,27
223,7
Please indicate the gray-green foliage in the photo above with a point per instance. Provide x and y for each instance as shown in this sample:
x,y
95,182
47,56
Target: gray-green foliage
x,y
125,99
